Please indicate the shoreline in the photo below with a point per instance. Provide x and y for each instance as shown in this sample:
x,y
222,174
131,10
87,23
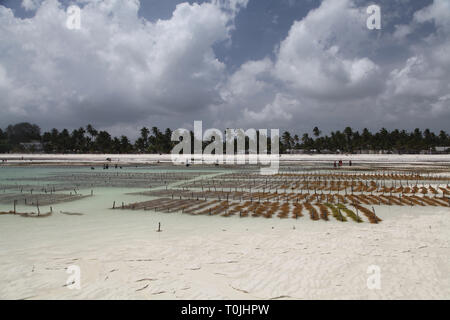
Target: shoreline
x,y
122,255
156,159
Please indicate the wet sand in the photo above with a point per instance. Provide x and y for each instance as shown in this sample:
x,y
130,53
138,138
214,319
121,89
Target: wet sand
x,y
122,256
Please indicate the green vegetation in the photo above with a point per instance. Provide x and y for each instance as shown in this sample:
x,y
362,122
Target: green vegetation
x,y
352,141
26,137
336,213
349,213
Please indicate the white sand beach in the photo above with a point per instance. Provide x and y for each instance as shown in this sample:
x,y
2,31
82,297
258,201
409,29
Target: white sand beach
x,y
121,256
224,150
149,158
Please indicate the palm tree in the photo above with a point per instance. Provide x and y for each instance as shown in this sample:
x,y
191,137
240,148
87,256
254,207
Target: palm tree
x,y
306,141
144,133
168,145
297,142
125,145
156,140
366,138
90,129
79,140
317,132
443,138
142,143
93,136
104,142
287,141
348,134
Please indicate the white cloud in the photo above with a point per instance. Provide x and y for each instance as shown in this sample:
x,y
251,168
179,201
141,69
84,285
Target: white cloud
x,y
279,109
438,11
4,81
323,70
401,31
118,67
318,56
121,71
418,90
247,83
412,79
314,69
442,106
31,5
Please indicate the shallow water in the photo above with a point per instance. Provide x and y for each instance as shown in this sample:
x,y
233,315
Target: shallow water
x,y
103,197
206,257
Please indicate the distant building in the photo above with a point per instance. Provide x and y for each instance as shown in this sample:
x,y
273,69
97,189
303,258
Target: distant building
x,y
297,151
442,149
34,146
366,151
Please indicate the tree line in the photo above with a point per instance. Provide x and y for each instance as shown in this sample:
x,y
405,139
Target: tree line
x,y
351,141
26,137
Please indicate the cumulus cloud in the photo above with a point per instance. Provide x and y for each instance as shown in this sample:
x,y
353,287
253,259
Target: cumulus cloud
x,y
325,73
272,112
317,57
315,67
419,89
438,12
30,5
120,71
117,67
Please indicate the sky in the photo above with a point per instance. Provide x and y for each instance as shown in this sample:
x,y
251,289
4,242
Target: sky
x,y
263,64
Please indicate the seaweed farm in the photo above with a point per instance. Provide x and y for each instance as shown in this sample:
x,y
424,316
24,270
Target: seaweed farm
x,y
321,194
289,195
113,178
161,232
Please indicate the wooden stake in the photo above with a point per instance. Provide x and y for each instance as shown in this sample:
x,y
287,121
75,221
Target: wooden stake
x,y
376,220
